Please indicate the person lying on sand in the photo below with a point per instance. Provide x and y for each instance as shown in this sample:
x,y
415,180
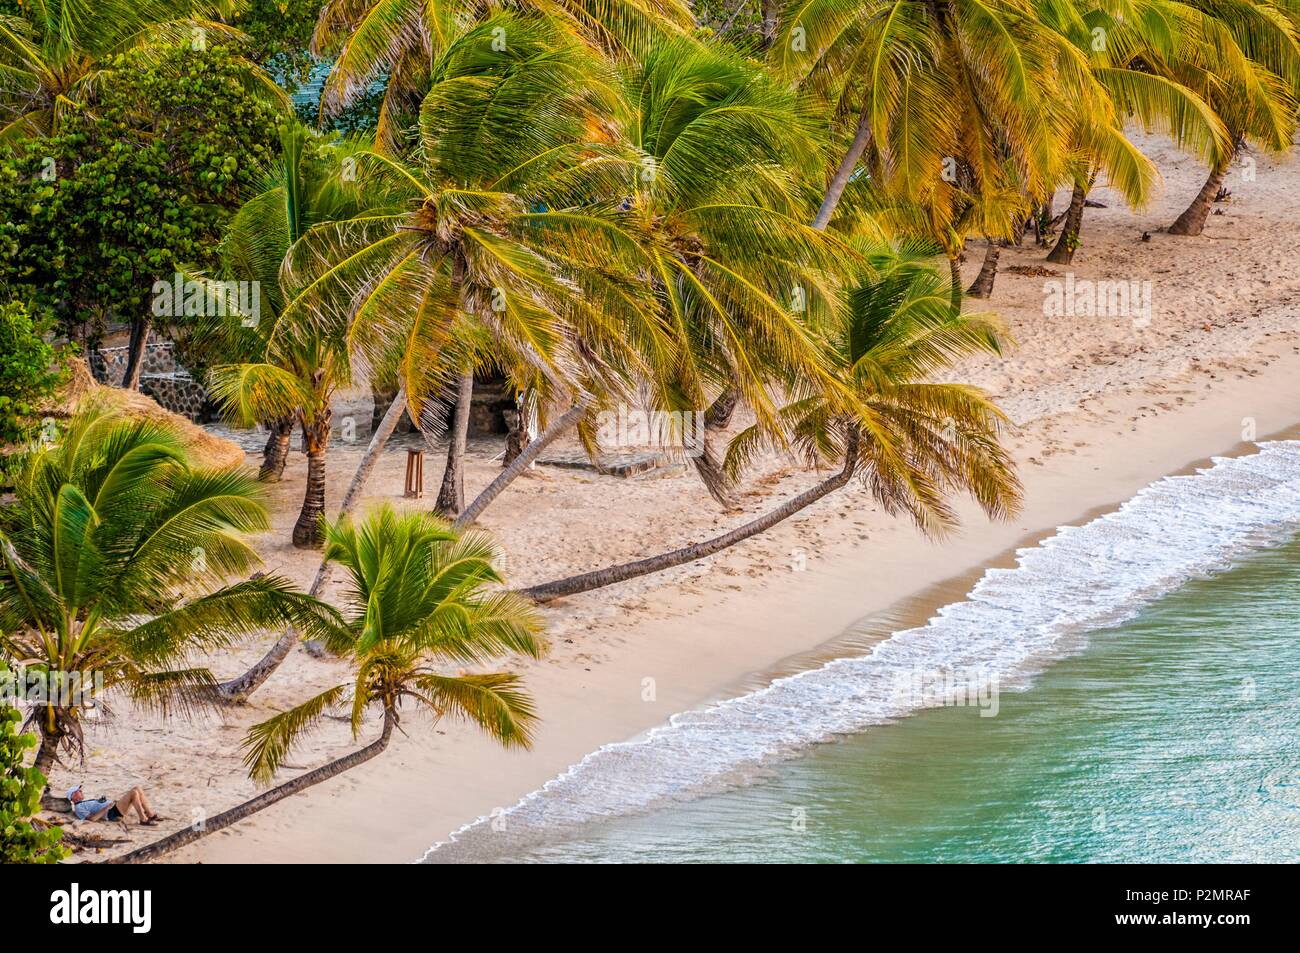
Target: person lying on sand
x,y
101,809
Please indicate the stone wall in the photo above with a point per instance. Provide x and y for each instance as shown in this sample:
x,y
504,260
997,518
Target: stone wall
x,y
161,378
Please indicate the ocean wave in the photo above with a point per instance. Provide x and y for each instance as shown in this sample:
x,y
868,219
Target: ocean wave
x,y
1011,623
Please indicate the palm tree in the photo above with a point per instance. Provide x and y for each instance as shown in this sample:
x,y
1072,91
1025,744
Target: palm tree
x,y
293,370
717,206
909,440
1117,48
51,54
106,562
499,249
959,100
1243,58
422,599
396,40
451,267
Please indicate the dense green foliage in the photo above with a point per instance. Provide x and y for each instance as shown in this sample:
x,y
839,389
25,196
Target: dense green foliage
x,y
20,797
137,189
27,372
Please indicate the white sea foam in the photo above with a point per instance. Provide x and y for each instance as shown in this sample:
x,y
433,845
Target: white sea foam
x,y
1012,622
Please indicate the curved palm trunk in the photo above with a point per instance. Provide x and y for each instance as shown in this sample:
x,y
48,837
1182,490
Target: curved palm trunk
x,y
240,811
677,557
315,439
1063,253
844,172
520,463
451,495
982,286
709,463
1192,221
275,455
238,689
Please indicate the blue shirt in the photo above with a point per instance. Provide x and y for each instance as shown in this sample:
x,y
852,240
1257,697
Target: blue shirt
x,y
86,809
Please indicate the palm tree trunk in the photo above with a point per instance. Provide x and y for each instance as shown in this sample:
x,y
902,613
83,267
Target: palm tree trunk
x,y
954,277
48,753
1068,243
982,286
238,689
140,328
1042,215
771,15
451,496
520,463
708,463
677,557
861,136
316,439
276,452
237,813
1192,221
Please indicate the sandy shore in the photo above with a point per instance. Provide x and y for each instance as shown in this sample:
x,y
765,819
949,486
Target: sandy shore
x,y
1102,408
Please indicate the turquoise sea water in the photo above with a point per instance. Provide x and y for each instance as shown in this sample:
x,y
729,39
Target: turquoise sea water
x,y
1171,733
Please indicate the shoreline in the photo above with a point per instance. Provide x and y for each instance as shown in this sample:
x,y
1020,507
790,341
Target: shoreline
x,y
431,784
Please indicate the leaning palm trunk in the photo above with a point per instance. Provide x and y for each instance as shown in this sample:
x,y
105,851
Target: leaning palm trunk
x,y
982,286
451,496
520,463
238,689
1063,253
275,455
861,136
240,811
677,557
1192,221
316,439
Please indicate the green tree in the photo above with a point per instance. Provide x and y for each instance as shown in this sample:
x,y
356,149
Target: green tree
x,y
21,842
499,245
421,598
137,190
108,559
292,369
28,372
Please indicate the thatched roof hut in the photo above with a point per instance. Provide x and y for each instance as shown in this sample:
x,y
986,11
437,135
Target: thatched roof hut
x,y
208,450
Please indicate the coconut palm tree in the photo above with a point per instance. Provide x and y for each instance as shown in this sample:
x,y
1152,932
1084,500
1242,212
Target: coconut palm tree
x,y
460,263
50,55
1117,46
500,250
396,40
955,97
1243,58
293,369
107,562
909,440
717,205
422,599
